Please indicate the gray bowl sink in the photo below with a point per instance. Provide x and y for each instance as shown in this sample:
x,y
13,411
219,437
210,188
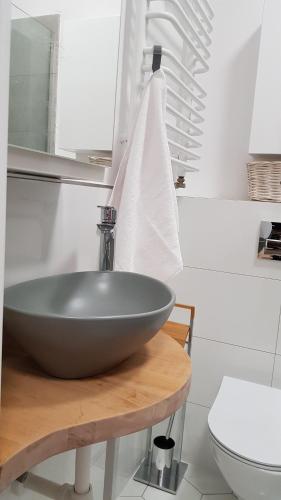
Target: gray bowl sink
x,y
81,324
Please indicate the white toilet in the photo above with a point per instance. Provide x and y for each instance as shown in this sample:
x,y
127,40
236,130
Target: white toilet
x,y
245,434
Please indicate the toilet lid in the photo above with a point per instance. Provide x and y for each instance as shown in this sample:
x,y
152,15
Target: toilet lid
x,y
246,419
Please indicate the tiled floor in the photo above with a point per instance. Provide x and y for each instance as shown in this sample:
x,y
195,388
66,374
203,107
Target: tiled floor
x,y
193,487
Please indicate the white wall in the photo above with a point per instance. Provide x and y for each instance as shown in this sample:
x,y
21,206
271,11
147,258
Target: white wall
x,y
230,84
237,297
4,92
238,302
51,228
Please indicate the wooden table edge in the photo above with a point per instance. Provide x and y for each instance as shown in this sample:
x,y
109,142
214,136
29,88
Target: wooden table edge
x,y
91,432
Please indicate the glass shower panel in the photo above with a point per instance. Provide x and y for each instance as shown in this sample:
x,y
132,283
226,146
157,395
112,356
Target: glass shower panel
x,y
30,77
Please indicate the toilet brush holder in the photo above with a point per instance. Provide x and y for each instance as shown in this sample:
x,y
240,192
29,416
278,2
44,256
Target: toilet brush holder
x,y
162,466
162,453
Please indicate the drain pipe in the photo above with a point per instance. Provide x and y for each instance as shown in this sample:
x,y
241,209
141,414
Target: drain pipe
x,y
82,483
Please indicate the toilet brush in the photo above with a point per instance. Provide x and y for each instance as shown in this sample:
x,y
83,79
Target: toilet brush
x,y
163,448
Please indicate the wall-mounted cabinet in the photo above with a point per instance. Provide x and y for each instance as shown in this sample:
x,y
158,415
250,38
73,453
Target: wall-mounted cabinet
x,y
265,136
63,86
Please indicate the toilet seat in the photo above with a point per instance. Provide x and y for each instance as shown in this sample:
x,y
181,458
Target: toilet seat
x,y
245,421
250,463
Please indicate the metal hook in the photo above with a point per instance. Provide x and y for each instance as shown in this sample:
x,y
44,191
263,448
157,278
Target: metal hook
x,y
157,56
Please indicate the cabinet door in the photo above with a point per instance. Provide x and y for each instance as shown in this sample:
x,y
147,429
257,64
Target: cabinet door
x,y
4,100
266,123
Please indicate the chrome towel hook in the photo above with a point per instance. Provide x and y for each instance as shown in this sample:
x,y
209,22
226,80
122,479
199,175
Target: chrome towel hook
x,y
157,56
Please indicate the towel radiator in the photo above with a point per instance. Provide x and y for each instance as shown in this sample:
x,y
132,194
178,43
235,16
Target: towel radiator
x,y
182,28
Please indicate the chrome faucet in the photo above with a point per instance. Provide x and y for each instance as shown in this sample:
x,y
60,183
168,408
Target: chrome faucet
x,y
107,225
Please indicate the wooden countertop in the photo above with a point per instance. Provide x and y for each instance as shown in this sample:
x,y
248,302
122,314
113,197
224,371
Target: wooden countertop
x,y
42,416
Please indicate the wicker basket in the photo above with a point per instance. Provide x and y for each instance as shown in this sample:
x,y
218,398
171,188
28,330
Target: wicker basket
x,y
264,179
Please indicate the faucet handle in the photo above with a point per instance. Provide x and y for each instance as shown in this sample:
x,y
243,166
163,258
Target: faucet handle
x,y
108,214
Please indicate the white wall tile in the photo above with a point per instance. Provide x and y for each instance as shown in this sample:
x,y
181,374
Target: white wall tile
x,y
131,452
207,481
276,380
133,489
131,497
6,495
98,453
14,493
196,448
212,360
97,480
240,310
51,228
278,347
59,468
219,497
223,235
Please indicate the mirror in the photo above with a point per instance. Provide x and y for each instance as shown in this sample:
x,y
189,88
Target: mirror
x,y
63,74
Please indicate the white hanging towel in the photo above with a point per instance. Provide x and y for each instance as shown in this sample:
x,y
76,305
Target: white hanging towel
x,y
147,240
